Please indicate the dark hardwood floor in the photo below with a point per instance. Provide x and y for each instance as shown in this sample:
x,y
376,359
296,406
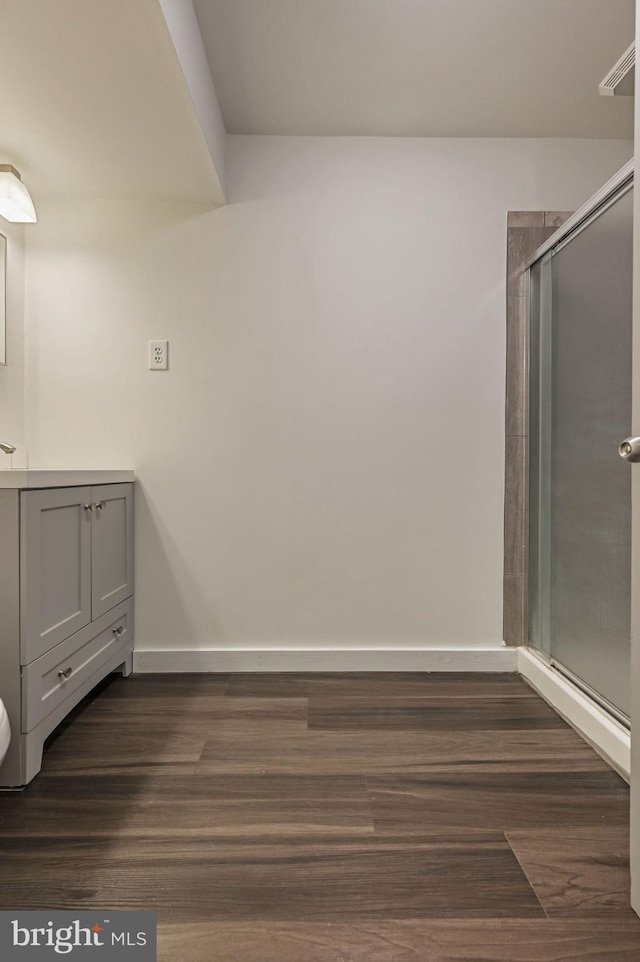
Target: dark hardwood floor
x,y
329,818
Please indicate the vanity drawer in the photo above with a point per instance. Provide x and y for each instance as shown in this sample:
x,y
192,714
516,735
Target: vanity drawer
x,y
50,679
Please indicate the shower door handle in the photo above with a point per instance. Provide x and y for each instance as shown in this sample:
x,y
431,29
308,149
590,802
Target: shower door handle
x,y
629,449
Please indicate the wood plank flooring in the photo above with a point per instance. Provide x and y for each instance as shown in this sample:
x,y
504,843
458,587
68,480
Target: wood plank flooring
x,y
313,818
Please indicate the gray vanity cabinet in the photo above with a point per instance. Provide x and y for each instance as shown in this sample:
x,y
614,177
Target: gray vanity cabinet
x,y
76,556
66,591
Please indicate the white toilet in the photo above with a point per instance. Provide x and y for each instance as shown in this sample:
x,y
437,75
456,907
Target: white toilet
x,y
5,732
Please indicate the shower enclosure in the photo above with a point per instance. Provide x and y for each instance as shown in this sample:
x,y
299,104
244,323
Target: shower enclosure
x,y
580,380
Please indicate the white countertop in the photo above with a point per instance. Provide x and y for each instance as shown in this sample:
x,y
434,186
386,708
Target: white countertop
x,y
61,477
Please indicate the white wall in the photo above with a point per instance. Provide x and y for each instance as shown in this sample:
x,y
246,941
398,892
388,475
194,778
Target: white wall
x,y
323,463
12,376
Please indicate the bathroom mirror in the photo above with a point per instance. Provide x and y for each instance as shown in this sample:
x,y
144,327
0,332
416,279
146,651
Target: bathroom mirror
x,y
3,299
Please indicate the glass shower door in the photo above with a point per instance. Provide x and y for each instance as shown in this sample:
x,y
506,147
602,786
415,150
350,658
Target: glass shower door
x,y
580,489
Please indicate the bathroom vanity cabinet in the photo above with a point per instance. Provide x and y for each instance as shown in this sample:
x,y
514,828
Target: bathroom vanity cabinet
x,y
66,601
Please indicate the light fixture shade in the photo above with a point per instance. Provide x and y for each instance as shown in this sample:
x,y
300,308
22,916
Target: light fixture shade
x,y
15,201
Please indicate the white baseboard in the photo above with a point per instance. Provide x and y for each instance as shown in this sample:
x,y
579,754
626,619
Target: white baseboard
x,y
604,733
326,659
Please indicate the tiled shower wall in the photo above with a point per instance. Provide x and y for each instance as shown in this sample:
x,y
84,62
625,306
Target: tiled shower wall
x,y
526,231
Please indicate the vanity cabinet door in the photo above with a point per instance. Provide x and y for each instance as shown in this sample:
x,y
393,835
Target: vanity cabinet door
x,y
111,546
55,567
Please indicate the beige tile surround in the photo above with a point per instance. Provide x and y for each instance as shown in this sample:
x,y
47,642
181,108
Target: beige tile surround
x,y
526,231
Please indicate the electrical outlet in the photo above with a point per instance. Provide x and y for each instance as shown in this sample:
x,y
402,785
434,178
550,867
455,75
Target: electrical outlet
x,y
158,355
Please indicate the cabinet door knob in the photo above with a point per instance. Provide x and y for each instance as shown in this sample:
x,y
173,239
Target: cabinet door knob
x,y
90,507
119,630
101,504
65,672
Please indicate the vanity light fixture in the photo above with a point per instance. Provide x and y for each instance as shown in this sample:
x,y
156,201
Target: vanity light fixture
x,y
15,201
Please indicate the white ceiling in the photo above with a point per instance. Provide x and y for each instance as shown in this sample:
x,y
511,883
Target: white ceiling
x,y
430,68
93,102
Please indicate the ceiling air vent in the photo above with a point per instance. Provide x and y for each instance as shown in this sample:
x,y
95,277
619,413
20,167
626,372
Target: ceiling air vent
x,y
620,80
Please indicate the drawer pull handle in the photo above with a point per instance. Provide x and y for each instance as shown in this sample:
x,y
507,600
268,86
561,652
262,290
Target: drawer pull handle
x,y
119,630
65,672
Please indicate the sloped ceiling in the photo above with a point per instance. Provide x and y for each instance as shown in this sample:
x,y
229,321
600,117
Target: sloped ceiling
x,y
427,68
93,102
